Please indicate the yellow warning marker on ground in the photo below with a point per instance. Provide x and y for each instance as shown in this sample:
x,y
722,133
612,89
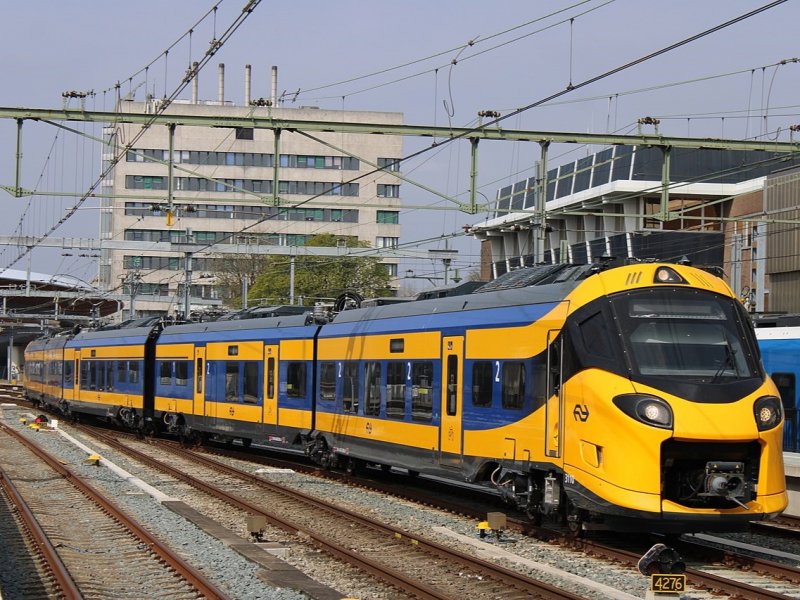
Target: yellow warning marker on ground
x,y
94,459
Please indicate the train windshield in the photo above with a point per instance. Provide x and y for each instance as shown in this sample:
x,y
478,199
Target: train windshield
x,y
692,334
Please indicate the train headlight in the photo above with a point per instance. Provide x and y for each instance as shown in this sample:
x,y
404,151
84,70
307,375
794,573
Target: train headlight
x,y
768,412
645,409
667,275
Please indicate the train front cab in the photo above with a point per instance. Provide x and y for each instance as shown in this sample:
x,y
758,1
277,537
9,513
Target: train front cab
x,y
33,372
677,426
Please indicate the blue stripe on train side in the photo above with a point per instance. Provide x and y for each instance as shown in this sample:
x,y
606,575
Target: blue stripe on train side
x,y
509,316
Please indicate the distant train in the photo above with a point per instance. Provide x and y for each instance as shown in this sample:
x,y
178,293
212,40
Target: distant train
x,y
625,397
780,350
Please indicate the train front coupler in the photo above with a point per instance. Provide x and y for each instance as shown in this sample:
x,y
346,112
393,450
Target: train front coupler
x,y
726,479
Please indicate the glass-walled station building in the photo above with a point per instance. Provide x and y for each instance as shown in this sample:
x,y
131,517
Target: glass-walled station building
x,y
608,204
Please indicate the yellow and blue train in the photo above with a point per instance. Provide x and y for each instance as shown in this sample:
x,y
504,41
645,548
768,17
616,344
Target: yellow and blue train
x,y
627,397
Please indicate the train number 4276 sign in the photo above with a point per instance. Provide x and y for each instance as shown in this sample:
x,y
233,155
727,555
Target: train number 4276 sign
x,y
667,583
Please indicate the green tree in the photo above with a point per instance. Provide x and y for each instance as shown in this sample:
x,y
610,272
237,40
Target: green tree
x,y
320,277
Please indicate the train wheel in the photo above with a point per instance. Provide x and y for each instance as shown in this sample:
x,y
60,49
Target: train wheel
x,y
534,515
246,442
353,466
574,519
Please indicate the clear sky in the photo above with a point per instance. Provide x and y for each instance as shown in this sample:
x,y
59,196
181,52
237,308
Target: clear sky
x,y
727,84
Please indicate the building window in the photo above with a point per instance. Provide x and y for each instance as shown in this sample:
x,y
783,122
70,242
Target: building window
x,y
388,190
244,133
389,164
386,242
388,217
391,268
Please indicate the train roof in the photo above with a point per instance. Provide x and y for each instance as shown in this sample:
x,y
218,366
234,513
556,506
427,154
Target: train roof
x,y
232,329
111,337
48,343
544,284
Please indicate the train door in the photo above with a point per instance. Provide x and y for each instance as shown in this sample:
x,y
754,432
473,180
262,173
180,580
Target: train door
x,y
270,385
451,410
198,408
76,391
554,426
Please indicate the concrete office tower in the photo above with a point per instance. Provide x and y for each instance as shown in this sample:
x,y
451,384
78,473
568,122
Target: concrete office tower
x,y
222,185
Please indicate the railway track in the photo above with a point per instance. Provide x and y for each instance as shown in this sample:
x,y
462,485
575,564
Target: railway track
x,y
739,574
90,546
714,574
418,566
28,550
720,569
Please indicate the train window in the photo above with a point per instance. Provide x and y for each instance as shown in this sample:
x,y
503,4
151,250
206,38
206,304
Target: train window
x,y
251,382
350,388
199,371
327,381
513,384
372,391
396,345
233,350
93,374
181,372
109,376
482,383
68,374
422,391
165,372
683,333
271,377
595,335
231,381
395,390
296,380
452,385
122,371
133,372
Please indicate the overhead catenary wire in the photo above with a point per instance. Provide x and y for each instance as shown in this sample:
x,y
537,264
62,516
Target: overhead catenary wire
x,y
408,157
214,47
576,86
447,52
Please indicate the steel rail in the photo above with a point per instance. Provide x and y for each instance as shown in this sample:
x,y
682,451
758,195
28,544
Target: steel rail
x,y
55,566
181,567
539,589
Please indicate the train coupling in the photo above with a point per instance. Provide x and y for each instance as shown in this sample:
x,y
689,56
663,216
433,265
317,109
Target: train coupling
x,y
726,479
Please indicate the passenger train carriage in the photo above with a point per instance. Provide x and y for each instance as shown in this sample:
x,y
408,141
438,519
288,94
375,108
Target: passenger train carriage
x,y
780,348
630,397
